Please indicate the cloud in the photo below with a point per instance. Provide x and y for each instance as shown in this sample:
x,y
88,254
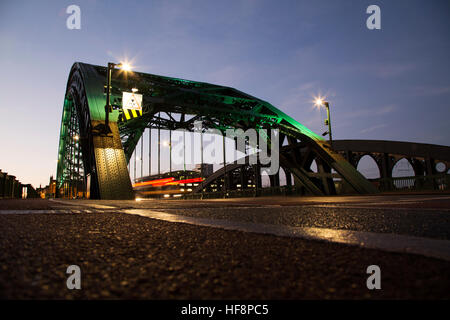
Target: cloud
x,y
308,86
385,110
373,128
379,70
430,90
226,76
370,112
391,69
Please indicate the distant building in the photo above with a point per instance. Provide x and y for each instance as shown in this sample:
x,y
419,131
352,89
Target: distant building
x,y
48,191
11,188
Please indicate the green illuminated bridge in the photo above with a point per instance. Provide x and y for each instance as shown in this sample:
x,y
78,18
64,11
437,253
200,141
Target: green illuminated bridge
x,y
97,163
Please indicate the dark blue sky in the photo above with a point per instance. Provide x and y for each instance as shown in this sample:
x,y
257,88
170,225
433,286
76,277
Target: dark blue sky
x,y
391,84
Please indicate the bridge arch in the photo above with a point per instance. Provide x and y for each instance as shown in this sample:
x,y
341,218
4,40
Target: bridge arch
x,y
100,158
368,163
105,157
282,177
403,167
423,157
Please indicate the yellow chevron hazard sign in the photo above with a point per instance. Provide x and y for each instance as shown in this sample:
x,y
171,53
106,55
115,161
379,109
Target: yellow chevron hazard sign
x,y
131,105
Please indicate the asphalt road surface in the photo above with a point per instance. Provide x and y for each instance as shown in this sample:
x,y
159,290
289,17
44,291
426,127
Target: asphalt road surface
x,y
124,255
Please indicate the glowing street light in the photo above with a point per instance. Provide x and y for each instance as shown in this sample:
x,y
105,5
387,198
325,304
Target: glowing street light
x,y
105,129
124,66
318,102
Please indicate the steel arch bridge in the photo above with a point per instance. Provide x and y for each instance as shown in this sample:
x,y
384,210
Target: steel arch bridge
x,y
99,162
422,157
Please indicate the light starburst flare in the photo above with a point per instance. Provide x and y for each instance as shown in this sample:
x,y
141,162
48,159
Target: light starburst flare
x,y
319,101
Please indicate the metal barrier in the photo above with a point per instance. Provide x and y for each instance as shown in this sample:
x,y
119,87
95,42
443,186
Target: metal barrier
x,y
246,193
414,183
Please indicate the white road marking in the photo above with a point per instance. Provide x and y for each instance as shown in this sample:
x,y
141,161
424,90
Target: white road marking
x,y
382,241
363,206
434,248
33,211
53,211
93,205
101,206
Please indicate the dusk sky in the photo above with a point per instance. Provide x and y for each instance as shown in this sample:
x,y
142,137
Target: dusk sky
x,y
388,84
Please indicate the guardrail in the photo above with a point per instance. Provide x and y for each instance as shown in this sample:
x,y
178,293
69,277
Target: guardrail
x,y
268,191
400,184
414,183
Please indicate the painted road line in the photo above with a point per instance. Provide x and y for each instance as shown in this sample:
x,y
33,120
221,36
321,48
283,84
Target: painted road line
x,y
93,205
383,207
36,211
99,206
51,211
232,205
25,211
382,241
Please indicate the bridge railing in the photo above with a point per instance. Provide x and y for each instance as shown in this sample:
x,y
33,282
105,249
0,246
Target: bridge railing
x,y
398,184
265,191
414,183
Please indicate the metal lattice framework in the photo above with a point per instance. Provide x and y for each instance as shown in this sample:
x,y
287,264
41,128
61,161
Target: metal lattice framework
x,y
104,158
72,172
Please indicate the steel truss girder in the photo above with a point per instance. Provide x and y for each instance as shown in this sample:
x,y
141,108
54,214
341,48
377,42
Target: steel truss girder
x,y
102,157
218,107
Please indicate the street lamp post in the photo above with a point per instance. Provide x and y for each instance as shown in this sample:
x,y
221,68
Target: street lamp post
x,y
170,153
201,160
319,102
328,122
104,129
142,155
108,94
225,180
159,145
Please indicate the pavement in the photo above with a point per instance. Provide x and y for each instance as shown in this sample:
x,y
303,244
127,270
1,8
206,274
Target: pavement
x,y
246,248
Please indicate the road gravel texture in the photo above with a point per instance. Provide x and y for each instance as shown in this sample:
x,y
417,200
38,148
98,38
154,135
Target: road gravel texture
x,y
131,257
